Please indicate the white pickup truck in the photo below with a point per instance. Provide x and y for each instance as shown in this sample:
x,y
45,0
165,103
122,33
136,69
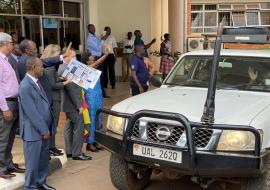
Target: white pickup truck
x,y
164,129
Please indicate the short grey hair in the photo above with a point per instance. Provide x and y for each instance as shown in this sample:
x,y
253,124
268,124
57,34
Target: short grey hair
x,y
30,62
24,45
4,37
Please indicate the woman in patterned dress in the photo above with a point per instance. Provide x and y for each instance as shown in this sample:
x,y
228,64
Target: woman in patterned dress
x,y
166,62
94,99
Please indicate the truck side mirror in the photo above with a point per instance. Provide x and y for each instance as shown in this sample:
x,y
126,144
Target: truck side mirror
x,y
156,81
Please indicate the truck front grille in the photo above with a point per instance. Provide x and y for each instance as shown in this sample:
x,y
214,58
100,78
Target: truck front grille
x,y
201,136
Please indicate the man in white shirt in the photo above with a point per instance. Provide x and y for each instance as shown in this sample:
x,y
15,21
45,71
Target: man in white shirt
x,y
109,63
127,54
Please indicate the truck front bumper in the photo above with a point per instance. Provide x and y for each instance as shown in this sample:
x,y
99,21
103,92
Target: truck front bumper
x,y
194,162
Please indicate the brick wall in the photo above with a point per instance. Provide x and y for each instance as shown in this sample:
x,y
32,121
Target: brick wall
x,y
188,17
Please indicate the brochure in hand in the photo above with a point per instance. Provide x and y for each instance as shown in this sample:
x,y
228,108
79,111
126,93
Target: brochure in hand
x,y
81,74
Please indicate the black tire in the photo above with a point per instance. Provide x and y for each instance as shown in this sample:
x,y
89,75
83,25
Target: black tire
x,y
125,179
259,183
245,30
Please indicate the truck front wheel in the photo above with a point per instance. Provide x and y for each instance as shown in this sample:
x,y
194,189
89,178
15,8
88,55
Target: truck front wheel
x,y
125,179
260,183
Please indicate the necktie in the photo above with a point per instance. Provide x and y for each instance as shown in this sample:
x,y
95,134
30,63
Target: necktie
x,y
41,88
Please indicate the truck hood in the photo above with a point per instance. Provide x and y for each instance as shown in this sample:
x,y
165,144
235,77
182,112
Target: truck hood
x,y
232,106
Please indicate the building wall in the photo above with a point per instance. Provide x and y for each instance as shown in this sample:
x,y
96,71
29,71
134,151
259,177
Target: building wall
x,y
122,16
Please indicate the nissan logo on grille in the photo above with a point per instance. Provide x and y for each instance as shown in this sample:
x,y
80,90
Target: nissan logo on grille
x,y
163,133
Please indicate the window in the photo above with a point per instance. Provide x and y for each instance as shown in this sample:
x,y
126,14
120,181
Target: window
x,y
72,9
33,7
239,7
11,24
210,7
265,5
226,16
10,6
225,6
239,19
197,19
265,18
253,6
196,7
210,19
252,18
53,7
233,72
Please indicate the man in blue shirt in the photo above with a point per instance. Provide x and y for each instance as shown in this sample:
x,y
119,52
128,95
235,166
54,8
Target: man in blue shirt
x,y
139,72
138,41
94,43
95,48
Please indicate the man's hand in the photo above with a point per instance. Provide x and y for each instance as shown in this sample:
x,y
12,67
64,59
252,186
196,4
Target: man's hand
x,y
46,136
252,75
8,115
153,41
107,49
66,82
81,110
67,56
141,89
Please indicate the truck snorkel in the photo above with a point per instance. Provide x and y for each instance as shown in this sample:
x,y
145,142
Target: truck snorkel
x,y
209,106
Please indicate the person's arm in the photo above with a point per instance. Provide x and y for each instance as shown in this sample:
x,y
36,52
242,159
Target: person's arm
x,y
147,46
252,75
102,59
29,108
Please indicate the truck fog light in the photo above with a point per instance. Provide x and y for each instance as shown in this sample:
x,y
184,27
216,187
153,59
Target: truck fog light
x,y
237,140
116,124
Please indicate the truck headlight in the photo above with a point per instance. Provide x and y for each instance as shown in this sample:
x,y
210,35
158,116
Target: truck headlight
x,y
116,124
231,140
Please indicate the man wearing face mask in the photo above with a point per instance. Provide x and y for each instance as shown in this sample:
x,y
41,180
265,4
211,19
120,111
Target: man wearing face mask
x,y
109,62
139,72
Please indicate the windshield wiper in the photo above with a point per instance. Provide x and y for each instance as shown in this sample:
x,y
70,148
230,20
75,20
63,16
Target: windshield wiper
x,y
250,87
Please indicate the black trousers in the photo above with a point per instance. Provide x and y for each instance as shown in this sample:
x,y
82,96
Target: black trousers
x,y
135,89
109,65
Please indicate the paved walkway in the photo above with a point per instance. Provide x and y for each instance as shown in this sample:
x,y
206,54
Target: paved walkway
x,y
94,174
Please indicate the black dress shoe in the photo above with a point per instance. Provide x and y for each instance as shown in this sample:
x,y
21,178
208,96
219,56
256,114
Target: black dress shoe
x,y
46,187
56,150
55,153
16,170
69,155
6,175
113,86
98,146
82,157
91,148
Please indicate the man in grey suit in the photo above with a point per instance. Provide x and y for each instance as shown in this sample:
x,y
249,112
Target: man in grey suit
x,y
72,105
36,122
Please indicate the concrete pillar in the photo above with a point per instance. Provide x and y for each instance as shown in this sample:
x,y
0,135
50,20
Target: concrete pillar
x,y
159,25
177,24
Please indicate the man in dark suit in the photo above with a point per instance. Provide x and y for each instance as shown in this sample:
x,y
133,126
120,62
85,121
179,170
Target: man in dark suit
x,y
29,48
72,105
36,126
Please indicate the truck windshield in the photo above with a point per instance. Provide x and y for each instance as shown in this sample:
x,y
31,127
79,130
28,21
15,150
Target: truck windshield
x,y
240,73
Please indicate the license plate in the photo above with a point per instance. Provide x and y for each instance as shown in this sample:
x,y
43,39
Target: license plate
x,y
157,153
